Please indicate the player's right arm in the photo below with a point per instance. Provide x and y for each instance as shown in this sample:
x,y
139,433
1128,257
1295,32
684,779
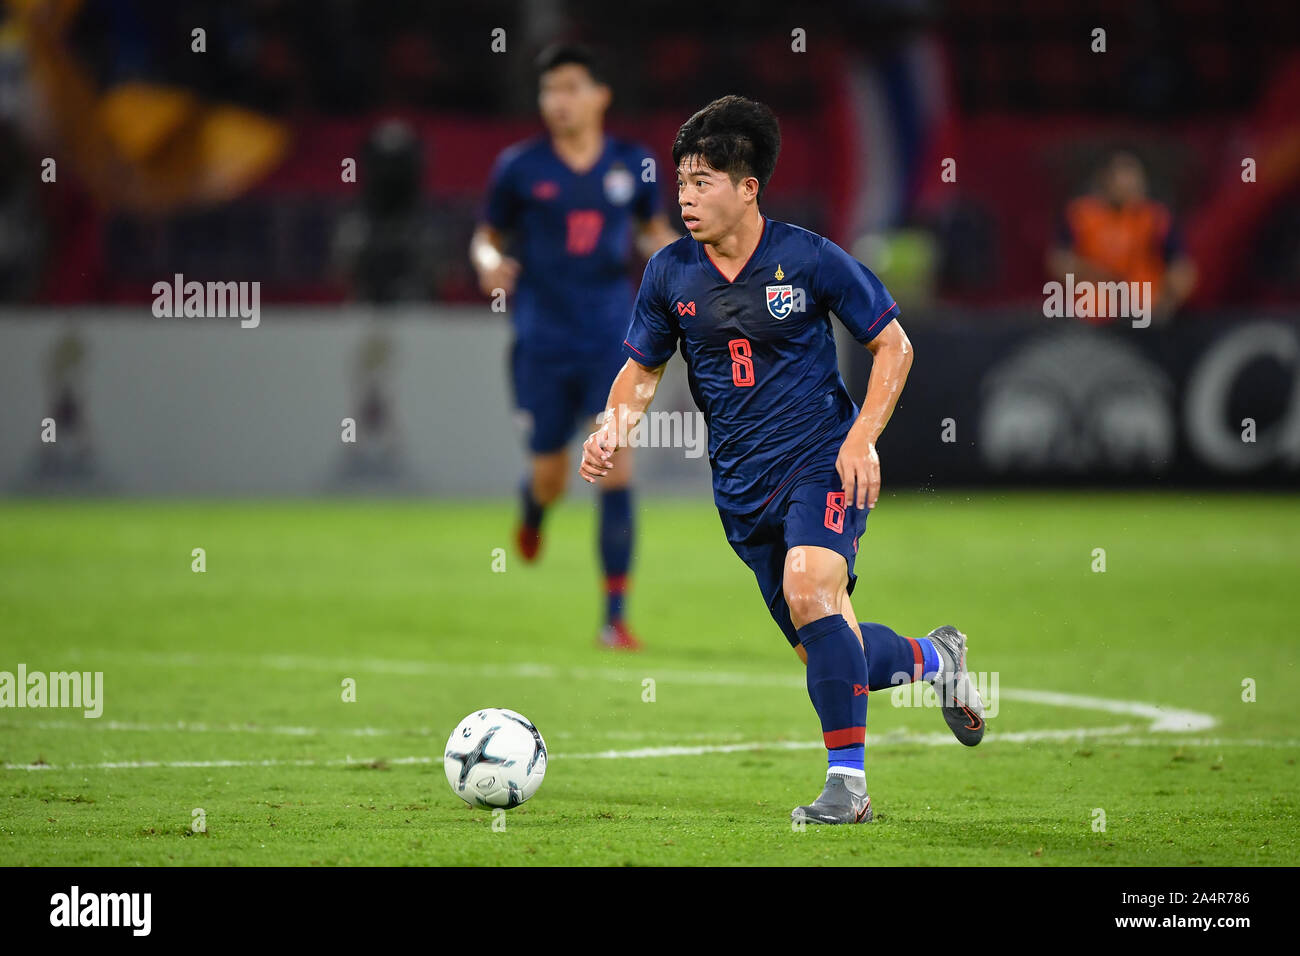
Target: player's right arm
x,y
651,340
631,394
495,269
500,215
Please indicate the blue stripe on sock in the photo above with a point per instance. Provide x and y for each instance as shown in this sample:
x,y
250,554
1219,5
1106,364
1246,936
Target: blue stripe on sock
x,y
854,758
931,657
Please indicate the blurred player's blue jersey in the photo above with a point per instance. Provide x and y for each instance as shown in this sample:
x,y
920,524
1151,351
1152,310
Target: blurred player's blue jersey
x,y
573,236
760,351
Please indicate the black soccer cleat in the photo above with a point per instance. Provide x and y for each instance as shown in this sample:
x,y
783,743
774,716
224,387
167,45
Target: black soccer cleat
x,y
963,709
840,802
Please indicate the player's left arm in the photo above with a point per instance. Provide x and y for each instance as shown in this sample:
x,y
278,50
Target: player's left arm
x,y
858,463
653,234
861,302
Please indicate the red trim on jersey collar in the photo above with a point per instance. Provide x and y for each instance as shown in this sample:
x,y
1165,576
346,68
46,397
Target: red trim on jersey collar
x,y
757,246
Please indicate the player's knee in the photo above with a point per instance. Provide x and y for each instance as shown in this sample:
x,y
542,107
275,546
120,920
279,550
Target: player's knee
x,y
548,481
618,478
549,489
810,600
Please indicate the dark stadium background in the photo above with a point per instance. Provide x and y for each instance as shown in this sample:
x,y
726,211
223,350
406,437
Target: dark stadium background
x,y
225,165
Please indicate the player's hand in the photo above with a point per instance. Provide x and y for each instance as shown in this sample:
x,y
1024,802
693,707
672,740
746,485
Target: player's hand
x,y
859,468
504,275
598,453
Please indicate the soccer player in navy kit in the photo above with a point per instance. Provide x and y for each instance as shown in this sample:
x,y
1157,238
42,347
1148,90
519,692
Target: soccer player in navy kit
x,y
557,234
794,461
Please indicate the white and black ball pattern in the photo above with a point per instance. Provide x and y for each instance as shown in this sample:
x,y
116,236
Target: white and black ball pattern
x,y
495,758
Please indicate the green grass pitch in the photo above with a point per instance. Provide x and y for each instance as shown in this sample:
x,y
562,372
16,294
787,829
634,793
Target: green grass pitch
x,y
223,689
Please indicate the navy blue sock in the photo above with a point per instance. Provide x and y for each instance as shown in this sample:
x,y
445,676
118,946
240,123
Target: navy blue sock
x,y
837,684
615,586
893,659
616,529
533,512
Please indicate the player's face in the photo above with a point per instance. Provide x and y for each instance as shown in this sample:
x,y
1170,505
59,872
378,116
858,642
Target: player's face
x,y
1126,181
711,203
570,100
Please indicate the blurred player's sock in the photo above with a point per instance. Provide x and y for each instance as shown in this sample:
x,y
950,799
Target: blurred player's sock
x,y
893,659
615,584
837,684
533,512
615,548
529,536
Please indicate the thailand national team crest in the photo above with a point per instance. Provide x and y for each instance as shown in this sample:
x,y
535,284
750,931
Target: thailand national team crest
x,y
620,185
780,300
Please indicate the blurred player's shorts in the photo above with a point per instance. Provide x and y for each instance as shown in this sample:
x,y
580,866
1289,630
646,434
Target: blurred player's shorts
x,y
555,395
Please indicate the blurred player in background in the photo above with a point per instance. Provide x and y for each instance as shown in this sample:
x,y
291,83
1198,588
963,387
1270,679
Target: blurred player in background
x,y
794,461
1118,234
557,234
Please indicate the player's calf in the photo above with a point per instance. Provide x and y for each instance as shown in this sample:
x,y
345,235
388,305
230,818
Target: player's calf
x,y
541,488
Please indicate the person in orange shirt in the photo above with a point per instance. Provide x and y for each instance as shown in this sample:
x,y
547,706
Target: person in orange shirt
x,y
1117,234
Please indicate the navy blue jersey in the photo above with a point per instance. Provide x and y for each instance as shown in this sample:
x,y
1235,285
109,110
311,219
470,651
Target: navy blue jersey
x,y
573,236
759,350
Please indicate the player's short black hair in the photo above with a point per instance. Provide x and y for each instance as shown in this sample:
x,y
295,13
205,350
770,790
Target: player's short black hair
x,y
738,136
559,54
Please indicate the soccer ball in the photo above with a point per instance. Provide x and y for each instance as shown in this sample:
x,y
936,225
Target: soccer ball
x,y
495,758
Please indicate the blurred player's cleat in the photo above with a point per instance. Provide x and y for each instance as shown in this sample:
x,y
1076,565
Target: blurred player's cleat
x,y
963,708
618,637
529,541
844,800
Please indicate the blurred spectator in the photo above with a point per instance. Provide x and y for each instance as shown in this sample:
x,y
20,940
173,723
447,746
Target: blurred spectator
x,y
1118,234
386,246
23,234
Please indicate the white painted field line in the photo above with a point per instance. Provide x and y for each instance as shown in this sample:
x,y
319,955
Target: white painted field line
x,y
1163,719
197,727
1106,735
1110,735
430,668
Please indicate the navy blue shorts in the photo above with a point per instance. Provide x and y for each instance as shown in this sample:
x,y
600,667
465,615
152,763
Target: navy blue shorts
x,y
558,394
808,510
